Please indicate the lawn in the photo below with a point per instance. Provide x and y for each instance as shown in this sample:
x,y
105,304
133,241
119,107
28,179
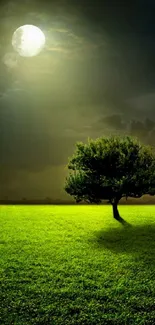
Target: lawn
x,y
64,265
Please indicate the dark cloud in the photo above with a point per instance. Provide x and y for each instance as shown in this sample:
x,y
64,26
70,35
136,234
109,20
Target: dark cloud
x,y
114,121
139,128
144,129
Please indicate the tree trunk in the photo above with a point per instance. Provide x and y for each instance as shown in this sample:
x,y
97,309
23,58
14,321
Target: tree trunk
x,y
117,215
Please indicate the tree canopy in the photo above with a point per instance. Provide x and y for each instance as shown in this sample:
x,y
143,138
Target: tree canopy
x,y
110,168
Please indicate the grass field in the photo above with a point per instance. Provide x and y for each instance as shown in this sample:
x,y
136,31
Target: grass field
x,y
63,265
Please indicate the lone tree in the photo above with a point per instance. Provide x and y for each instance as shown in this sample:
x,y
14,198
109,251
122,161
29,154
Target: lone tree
x,y
110,168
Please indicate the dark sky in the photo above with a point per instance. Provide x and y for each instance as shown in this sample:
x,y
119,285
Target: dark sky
x,y
95,76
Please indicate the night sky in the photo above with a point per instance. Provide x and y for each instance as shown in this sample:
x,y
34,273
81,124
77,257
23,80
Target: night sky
x,y
95,77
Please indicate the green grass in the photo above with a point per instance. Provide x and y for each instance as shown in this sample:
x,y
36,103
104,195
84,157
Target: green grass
x,y
63,265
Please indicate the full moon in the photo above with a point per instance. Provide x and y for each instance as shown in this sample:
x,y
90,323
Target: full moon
x,y
28,40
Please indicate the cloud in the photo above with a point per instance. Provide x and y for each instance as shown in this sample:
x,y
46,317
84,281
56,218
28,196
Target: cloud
x,y
144,130
114,121
10,60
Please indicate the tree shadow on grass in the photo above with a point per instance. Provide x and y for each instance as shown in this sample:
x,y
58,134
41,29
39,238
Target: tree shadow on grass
x,y
135,240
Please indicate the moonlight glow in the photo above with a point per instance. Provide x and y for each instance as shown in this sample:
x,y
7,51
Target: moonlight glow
x,y
28,40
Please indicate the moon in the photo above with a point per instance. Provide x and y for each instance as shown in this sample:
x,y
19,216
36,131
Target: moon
x,y
28,40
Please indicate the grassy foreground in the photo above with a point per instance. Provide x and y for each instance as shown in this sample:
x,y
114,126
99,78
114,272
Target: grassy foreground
x,y
63,265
